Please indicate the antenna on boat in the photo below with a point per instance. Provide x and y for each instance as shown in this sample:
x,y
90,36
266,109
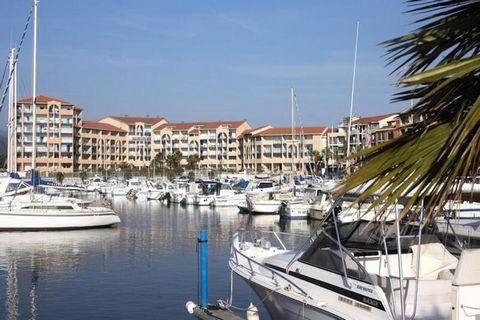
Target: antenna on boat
x,y
351,98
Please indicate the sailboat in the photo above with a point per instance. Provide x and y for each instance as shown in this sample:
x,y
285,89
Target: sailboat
x,y
53,214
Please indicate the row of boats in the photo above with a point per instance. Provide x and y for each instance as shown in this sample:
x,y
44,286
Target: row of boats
x,y
299,199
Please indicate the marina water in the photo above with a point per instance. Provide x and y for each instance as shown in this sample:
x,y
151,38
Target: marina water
x,y
146,268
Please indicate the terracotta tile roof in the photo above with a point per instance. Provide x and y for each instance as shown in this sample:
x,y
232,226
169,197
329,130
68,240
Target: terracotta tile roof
x,y
100,126
43,100
367,120
297,130
201,125
131,120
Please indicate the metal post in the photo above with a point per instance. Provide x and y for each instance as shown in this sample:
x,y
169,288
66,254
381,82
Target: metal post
x,y
203,257
400,264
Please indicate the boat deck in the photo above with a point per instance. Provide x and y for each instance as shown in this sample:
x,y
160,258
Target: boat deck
x,y
215,313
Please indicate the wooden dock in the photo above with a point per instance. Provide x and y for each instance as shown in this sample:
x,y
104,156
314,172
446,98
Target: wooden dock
x,y
215,313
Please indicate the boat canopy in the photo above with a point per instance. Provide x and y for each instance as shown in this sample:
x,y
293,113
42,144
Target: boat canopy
x,y
360,238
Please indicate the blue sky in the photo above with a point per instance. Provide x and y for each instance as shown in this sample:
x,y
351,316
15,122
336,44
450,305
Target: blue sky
x,y
210,60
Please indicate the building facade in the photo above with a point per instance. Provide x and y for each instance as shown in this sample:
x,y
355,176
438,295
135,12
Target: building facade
x,y
215,142
103,146
268,149
66,143
139,136
57,134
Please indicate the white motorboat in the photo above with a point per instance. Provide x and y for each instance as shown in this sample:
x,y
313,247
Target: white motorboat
x,y
461,219
208,197
361,271
181,188
55,215
234,200
263,206
319,202
243,207
295,211
188,198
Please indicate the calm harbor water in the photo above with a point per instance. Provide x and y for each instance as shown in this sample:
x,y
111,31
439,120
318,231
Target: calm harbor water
x,y
146,268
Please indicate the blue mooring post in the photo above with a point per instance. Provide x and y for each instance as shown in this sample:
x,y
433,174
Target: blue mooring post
x,y
203,251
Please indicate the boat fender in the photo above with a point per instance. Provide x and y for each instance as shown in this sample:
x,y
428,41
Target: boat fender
x,y
190,306
252,312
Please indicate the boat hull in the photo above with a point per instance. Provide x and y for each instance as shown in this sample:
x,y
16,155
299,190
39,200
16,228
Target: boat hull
x,y
280,306
40,221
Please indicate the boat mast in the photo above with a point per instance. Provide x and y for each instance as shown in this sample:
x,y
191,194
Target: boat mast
x,y
34,84
12,102
351,98
292,94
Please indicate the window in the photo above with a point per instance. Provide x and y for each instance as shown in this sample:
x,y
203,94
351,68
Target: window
x,y
326,254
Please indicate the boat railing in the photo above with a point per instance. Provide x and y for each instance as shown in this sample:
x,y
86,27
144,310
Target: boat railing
x,y
274,274
282,240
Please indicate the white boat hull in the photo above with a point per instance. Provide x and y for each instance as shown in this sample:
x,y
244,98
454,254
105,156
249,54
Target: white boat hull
x,y
295,212
264,206
469,229
280,306
203,201
44,220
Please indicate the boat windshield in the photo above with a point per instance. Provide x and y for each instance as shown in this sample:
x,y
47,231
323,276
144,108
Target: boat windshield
x,y
359,238
264,185
16,186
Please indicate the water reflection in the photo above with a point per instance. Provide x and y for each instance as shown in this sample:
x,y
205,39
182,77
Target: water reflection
x,y
145,266
26,256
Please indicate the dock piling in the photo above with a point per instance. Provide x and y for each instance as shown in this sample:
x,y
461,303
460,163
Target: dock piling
x,y
203,274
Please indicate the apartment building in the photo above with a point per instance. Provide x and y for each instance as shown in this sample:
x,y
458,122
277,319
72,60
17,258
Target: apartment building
x,y
139,135
103,146
268,149
216,142
363,130
66,143
57,131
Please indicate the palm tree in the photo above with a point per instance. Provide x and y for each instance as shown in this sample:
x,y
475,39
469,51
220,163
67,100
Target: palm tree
x,y
439,68
192,161
174,162
316,159
59,176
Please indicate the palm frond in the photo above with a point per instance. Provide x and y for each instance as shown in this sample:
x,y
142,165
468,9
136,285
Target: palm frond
x,y
441,70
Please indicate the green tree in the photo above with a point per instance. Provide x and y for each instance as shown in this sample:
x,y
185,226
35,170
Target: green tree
x,y
59,176
439,68
158,162
83,176
316,159
126,169
192,161
173,162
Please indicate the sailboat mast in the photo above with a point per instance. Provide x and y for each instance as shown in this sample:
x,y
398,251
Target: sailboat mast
x,y
11,109
34,84
292,94
352,94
